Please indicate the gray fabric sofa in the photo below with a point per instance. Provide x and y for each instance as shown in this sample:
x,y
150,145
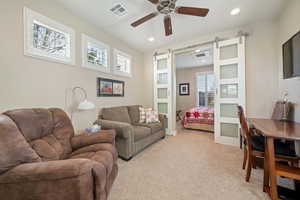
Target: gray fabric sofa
x,y
132,136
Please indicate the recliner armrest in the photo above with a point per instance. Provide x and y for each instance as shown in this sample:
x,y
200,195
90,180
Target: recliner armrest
x,y
47,171
123,130
86,139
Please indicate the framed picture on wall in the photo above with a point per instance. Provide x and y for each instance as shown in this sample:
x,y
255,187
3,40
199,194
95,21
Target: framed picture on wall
x,y
184,89
118,88
110,88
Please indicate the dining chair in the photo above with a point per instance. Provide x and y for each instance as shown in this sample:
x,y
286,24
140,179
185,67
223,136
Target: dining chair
x,y
254,146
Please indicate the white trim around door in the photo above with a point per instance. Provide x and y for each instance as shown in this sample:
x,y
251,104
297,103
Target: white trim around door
x,y
163,88
229,67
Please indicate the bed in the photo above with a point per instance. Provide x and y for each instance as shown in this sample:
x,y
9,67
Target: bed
x,y
199,118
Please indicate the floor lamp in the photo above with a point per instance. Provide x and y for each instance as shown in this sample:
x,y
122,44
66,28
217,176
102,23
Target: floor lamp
x,y
85,104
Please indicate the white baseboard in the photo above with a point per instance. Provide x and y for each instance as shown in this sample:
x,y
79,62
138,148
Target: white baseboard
x,y
171,132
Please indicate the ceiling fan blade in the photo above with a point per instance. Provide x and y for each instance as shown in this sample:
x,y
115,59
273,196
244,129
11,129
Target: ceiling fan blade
x,y
154,1
168,25
201,12
144,19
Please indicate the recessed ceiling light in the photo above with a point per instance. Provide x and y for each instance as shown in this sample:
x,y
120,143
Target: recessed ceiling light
x,y
235,11
151,39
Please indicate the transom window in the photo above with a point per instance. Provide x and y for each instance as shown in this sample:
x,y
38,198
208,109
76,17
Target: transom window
x,y
52,41
95,54
122,63
47,39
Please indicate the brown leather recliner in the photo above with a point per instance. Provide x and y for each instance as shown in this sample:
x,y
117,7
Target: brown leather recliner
x,y
41,159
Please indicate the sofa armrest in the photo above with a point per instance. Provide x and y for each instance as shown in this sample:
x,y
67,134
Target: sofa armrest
x,y
123,130
164,120
47,171
86,139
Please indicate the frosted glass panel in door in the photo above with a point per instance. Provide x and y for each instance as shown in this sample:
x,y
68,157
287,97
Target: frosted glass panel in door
x,y
229,52
162,93
229,71
162,64
229,130
162,78
229,91
162,108
229,110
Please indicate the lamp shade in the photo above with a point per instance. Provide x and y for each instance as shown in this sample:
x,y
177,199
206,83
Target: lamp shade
x,y
86,105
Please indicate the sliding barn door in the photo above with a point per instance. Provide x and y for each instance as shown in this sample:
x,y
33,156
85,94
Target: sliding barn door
x,y
163,88
229,67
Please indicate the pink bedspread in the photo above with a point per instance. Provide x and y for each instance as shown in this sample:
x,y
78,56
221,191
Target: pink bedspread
x,y
203,115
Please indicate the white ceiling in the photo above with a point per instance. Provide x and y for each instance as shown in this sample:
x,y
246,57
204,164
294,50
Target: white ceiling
x,y
190,59
184,27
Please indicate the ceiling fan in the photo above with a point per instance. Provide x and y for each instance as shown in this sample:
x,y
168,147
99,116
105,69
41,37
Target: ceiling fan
x,y
166,7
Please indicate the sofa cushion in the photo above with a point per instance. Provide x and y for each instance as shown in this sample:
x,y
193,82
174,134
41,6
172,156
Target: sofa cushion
x,y
14,149
63,131
48,131
134,113
97,147
141,132
119,114
155,127
48,148
33,123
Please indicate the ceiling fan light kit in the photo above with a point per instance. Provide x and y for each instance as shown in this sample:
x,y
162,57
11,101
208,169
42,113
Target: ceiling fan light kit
x,y
166,7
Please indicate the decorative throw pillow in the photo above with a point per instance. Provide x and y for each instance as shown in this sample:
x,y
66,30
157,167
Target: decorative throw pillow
x,y
152,116
143,112
142,115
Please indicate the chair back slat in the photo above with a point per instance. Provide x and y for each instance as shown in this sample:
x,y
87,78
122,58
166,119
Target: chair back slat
x,y
246,132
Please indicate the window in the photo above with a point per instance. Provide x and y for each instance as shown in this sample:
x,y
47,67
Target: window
x,y
206,89
122,63
47,39
95,54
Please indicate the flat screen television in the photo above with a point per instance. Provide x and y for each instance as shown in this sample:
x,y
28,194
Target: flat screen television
x,y
291,57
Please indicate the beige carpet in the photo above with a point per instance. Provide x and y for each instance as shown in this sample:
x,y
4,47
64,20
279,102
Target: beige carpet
x,y
189,166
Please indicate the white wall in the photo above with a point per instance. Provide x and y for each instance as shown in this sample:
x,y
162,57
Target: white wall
x,y
261,66
289,24
26,82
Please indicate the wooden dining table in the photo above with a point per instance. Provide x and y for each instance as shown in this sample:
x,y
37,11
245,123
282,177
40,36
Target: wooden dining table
x,y
272,129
